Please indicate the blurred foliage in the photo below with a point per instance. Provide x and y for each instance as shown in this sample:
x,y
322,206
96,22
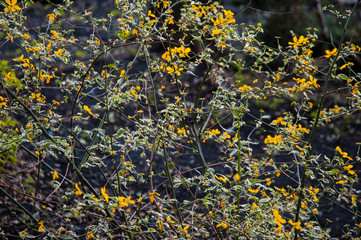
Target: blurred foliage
x,y
279,16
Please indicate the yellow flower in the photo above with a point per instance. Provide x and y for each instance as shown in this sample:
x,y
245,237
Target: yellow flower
x,y
222,224
282,190
348,169
124,202
169,219
213,132
55,175
3,102
54,34
343,154
331,53
296,225
341,182
298,42
86,108
279,120
169,21
277,139
160,225
184,230
315,211
225,136
122,73
268,181
253,190
41,226
105,195
236,177
59,52
90,235
151,196
278,218
181,131
78,191
174,69
51,16
150,14
216,32
26,36
223,179
183,51
245,87
12,6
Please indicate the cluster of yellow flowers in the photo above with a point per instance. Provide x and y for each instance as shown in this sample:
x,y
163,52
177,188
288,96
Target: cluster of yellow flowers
x,y
304,84
174,54
276,140
38,97
297,42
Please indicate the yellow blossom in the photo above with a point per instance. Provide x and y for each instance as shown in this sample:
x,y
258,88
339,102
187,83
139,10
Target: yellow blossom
x,y
151,196
298,41
341,182
343,154
51,16
181,131
345,65
296,225
253,190
59,52
268,181
279,120
225,136
331,53
12,7
184,230
315,211
282,190
160,225
216,32
213,132
105,195
348,169
174,70
278,218
26,36
54,34
55,175
78,191
41,226
236,177
277,139
90,235
222,224
245,87
223,179
122,73
183,52
86,108
125,201
169,219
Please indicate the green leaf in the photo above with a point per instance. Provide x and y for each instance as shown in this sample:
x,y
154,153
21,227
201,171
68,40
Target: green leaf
x,y
333,172
343,76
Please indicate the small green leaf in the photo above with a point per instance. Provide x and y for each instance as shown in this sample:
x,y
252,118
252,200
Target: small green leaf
x,y
333,172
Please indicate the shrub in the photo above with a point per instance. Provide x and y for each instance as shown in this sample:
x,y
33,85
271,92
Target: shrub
x,y
146,124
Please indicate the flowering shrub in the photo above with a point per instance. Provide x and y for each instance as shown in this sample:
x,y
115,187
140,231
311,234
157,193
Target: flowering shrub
x,y
102,125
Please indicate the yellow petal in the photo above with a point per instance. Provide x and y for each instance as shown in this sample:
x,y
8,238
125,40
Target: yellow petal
x,y
41,226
